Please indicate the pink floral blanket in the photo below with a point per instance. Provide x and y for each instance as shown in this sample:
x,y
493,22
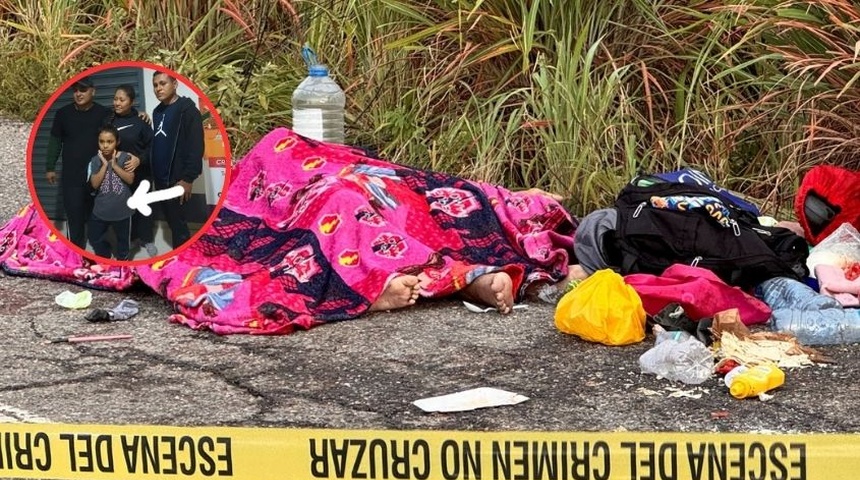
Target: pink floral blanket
x,y
28,248
311,233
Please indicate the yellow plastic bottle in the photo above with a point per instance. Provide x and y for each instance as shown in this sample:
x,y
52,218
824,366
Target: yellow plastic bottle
x,y
756,380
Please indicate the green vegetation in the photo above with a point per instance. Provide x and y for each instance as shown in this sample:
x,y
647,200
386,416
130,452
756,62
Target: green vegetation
x,y
572,96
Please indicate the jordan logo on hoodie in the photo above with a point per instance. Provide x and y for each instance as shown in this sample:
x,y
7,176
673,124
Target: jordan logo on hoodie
x,y
161,128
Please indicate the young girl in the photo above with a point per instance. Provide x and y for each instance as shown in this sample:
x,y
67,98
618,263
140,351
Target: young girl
x,y
111,181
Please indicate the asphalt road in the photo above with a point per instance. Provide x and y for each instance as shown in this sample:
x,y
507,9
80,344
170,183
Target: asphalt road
x,y
365,373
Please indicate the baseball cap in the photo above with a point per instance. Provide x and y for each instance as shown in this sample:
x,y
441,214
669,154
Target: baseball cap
x,y
86,82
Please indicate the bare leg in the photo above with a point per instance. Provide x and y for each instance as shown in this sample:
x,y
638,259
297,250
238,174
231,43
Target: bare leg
x,y
494,289
401,292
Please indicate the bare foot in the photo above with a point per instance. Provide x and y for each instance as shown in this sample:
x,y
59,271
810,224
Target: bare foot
x,y
494,289
401,292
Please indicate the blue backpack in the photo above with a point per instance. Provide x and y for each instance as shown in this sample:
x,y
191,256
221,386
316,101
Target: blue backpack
x,y
693,176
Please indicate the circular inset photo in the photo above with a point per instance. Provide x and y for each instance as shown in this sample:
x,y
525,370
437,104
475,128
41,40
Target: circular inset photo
x,y
127,162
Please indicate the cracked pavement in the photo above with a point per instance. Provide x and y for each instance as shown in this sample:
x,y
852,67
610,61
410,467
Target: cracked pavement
x,y
362,374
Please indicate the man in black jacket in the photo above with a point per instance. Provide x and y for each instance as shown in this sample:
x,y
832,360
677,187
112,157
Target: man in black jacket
x,y
177,151
75,133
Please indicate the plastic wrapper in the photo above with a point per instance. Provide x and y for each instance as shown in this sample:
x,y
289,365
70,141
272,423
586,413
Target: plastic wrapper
x,y
604,309
679,357
841,249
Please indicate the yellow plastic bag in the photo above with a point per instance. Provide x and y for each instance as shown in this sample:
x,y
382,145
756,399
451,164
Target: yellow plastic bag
x,y
602,309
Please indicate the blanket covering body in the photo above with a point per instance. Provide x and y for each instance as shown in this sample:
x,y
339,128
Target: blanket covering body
x,y
29,248
311,233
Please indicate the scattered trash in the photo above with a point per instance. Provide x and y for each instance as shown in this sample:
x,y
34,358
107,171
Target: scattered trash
x,y
74,301
678,393
673,317
840,249
734,372
473,399
783,352
674,392
832,326
603,309
126,309
89,338
813,318
678,356
720,414
479,309
737,343
725,366
746,382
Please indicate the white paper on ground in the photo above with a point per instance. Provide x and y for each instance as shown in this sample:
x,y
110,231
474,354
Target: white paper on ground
x,y
475,398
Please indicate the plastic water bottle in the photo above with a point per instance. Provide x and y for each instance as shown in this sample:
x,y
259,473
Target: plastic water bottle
x,y
318,103
830,326
678,356
813,318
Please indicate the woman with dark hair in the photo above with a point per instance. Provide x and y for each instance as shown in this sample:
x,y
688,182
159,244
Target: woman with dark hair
x,y
135,138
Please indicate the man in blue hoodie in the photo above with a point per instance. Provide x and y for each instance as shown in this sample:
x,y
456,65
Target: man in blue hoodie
x,y
177,151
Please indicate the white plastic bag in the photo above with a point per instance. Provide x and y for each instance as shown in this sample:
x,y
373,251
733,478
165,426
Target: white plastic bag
x,y
677,356
840,249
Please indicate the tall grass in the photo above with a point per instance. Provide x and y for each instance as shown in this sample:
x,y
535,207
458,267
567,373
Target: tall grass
x,y
573,96
44,38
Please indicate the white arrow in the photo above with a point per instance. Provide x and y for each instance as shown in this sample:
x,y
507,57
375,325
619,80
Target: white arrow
x,y
142,197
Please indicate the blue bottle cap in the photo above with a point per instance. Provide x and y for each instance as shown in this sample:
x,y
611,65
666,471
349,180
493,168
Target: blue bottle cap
x,y
309,55
318,71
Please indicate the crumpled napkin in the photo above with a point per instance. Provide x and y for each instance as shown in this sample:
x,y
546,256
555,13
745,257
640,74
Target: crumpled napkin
x,y
74,301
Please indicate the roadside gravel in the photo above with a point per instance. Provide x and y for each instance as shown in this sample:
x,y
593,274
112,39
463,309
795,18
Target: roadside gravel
x,y
14,194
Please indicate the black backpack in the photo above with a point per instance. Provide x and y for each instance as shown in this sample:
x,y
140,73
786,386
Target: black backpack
x,y
649,239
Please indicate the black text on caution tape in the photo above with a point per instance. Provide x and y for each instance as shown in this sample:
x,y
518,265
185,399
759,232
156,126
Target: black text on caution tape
x,y
133,454
417,459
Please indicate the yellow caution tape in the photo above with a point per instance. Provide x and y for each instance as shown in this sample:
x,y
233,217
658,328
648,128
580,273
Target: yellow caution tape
x,y
146,452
